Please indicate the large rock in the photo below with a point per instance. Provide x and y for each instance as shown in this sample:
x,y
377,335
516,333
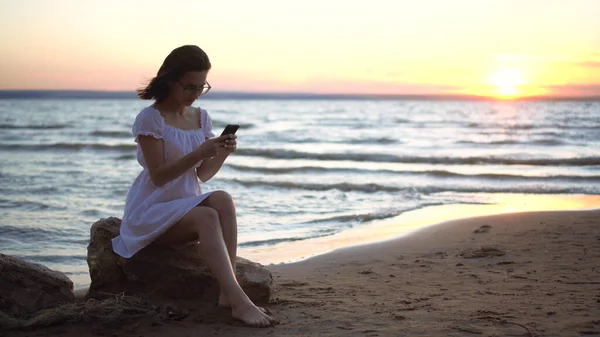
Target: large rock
x,y
162,272
26,288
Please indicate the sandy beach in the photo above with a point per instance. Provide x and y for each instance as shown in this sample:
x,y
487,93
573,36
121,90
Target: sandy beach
x,y
514,274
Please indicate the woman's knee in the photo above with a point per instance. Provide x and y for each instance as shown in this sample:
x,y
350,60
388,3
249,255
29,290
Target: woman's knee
x,y
221,200
205,218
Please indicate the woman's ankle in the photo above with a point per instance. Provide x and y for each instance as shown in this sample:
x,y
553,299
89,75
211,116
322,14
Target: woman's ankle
x,y
240,299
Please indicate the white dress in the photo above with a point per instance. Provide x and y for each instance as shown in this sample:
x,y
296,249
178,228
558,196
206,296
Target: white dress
x,y
151,210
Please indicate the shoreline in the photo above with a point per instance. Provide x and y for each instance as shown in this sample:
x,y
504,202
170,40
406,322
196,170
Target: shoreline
x,y
410,222
404,225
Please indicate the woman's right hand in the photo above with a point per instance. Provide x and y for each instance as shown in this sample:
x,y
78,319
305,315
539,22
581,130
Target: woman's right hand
x,y
213,146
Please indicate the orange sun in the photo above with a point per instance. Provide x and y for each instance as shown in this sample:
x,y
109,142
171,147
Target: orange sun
x,y
506,82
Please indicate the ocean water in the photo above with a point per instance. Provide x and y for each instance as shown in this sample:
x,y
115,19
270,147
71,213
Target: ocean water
x,y
304,168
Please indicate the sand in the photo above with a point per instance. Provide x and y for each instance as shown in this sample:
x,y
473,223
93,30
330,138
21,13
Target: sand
x,y
517,274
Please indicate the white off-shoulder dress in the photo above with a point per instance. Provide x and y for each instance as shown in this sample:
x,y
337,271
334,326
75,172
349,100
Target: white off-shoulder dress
x,y
151,210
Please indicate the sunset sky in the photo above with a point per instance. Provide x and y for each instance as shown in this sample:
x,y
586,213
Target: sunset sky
x,y
501,48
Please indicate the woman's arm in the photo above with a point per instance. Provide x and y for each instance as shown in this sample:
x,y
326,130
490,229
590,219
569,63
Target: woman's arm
x,y
162,172
210,167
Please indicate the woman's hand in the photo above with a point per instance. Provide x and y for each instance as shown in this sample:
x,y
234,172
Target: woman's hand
x,y
215,146
230,144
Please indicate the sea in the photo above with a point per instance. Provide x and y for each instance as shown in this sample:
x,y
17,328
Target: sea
x,y
305,168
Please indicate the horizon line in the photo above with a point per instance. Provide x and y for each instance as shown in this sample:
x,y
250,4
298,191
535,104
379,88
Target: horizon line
x,y
130,94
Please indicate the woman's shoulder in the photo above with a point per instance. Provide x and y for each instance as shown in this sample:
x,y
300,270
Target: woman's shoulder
x,y
148,121
202,114
205,121
148,114
147,111
200,110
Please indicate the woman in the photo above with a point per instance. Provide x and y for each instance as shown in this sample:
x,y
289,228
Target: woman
x,y
177,148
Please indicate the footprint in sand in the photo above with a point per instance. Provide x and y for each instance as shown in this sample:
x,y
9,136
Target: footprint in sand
x,y
293,284
587,328
482,252
482,229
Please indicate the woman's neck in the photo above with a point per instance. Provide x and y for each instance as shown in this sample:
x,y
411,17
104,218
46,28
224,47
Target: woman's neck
x,y
169,106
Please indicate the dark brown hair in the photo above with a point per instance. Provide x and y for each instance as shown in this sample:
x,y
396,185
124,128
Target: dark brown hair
x,y
178,62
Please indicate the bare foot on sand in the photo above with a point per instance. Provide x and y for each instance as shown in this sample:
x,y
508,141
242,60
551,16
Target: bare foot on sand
x,y
253,316
225,303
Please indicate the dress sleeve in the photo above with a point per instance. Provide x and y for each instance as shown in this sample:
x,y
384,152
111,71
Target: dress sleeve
x,y
206,122
148,123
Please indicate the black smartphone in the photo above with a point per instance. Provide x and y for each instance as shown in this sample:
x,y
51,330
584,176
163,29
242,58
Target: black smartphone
x,y
230,129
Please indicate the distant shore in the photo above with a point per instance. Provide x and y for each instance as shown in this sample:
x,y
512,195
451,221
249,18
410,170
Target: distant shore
x,y
221,95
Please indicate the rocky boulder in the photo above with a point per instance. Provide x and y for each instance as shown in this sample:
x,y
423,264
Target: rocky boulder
x,y
26,288
163,272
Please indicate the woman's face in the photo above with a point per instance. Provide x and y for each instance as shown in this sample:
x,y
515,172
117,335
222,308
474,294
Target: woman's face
x,y
189,87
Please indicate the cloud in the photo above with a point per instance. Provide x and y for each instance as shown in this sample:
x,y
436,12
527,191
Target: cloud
x,y
575,90
381,87
588,64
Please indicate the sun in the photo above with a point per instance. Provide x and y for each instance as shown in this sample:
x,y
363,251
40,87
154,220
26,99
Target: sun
x,y
506,82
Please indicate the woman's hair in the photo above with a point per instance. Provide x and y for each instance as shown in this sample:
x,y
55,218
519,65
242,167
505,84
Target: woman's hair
x,y
176,64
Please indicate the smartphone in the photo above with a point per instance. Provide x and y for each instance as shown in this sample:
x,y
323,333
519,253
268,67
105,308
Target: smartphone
x,y
230,129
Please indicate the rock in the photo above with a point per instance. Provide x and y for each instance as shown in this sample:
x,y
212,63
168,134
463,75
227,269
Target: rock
x,y
163,272
26,288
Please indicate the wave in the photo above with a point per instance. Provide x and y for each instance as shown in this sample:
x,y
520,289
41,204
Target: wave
x,y
500,176
300,169
62,259
366,217
387,158
112,134
415,191
549,142
520,126
271,242
476,125
344,187
15,189
92,213
67,146
323,232
507,189
360,141
41,234
431,173
131,156
367,140
219,124
34,126
24,205
583,125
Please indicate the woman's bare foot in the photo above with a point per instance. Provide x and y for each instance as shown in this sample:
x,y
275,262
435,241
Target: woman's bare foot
x,y
225,303
252,316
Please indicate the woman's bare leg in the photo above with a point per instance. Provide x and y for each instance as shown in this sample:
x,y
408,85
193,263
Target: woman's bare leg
x,y
223,203
203,222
